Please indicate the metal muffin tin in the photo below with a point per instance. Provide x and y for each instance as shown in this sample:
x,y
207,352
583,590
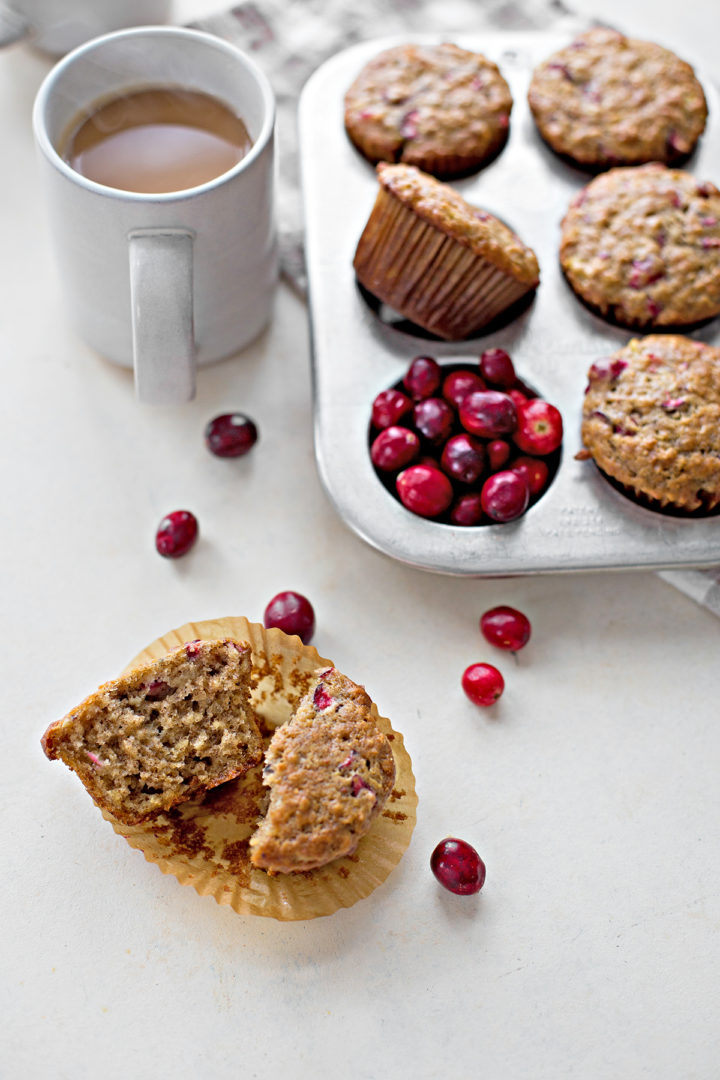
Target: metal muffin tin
x,y
582,522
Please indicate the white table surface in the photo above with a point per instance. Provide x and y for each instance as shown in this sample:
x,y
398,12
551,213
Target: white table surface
x,y
591,790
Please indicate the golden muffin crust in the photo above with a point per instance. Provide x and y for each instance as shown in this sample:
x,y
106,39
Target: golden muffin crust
x,y
607,99
651,420
641,246
439,107
163,731
330,771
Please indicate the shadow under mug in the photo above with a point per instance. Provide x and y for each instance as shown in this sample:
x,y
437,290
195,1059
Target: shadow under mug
x,y
162,282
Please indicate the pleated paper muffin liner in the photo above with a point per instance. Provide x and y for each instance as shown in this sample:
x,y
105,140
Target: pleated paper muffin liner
x,y
205,842
428,276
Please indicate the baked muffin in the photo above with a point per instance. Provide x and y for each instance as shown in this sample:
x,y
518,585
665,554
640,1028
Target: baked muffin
x,y
330,771
651,421
610,100
439,107
163,731
450,267
641,246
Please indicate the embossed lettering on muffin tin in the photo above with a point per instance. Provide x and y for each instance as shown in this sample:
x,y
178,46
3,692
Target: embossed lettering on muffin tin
x,y
582,522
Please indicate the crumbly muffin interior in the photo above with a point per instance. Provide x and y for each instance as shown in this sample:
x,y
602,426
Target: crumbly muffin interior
x,y
155,736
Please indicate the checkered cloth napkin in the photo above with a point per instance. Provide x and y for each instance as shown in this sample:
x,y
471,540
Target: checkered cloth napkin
x,y
290,40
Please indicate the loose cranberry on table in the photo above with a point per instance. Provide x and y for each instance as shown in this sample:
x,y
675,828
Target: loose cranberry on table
x,y
483,684
505,496
497,368
292,613
425,490
423,377
539,427
458,867
176,534
394,448
489,413
389,407
230,435
505,628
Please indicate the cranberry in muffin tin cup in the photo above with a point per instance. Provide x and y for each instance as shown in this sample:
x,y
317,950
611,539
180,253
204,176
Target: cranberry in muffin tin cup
x,y
465,444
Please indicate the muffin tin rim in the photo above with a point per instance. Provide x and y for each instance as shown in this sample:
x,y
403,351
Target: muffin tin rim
x,y
580,523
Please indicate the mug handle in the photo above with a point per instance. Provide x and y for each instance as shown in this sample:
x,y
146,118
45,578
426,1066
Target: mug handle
x,y
13,26
161,297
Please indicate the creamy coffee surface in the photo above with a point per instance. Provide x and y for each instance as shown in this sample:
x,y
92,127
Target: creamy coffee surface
x,y
157,140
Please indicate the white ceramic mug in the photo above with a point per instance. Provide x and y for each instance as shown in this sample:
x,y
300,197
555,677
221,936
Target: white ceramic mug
x,y
56,26
162,282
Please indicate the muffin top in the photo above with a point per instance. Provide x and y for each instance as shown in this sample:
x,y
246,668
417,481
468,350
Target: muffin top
x,y
651,419
610,100
642,245
437,106
330,770
440,205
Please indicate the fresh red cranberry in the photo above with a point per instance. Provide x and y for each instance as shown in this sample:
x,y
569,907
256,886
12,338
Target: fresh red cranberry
x,y
424,490
505,496
157,690
505,628
496,367
467,510
357,784
458,384
463,458
394,448
488,413
498,452
389,407
535,472
539,427
434,419
293,613
423,377
321,698
230,435
609,367
176,534
518,397
483,684
458,867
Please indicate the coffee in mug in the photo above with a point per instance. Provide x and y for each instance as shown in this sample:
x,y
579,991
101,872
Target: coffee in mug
x,y
157,140
168,277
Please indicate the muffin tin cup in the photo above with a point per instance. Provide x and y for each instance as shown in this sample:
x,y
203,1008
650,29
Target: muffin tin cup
x,y
581,522
399,251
